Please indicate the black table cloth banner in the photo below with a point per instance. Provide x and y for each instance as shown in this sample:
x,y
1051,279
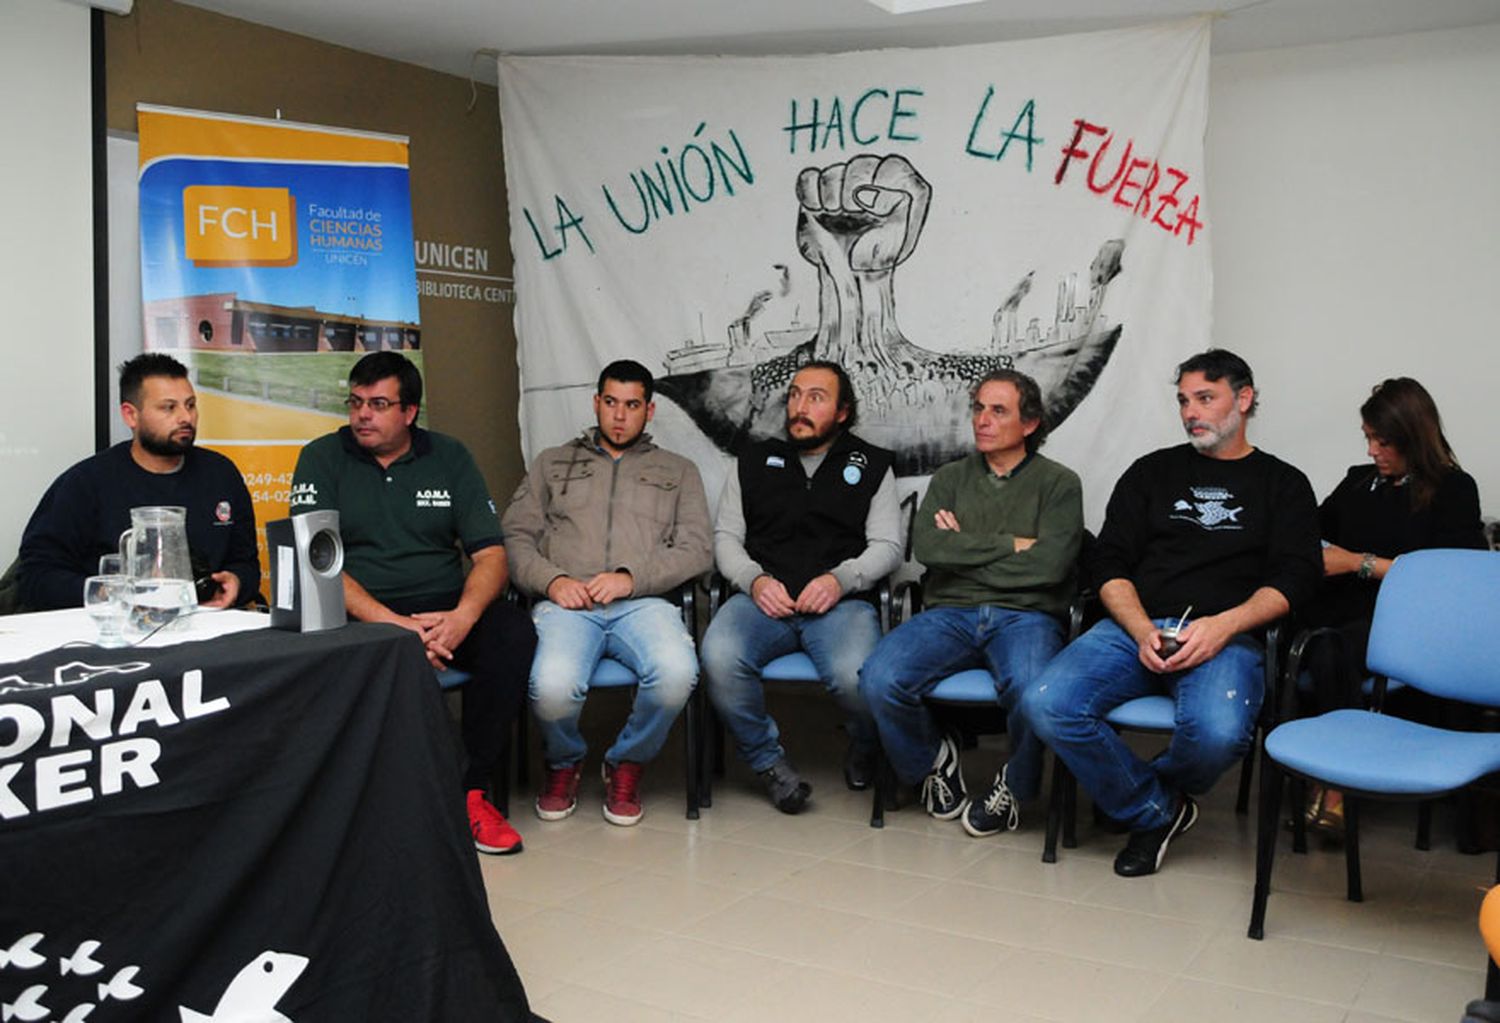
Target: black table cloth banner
x,y
264,826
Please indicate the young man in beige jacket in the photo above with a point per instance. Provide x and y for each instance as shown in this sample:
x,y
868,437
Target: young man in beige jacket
x,y
597,532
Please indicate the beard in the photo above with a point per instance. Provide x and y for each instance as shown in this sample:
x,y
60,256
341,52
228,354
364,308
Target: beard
x,y
812,440
621,445
1215,433
163,445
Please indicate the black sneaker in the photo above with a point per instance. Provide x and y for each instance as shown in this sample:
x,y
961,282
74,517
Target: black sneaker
x,y
998,811
785,786
1144,852
859,766
943,792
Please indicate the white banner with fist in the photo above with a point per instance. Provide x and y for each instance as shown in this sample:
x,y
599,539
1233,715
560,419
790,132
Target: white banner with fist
x,y
920,216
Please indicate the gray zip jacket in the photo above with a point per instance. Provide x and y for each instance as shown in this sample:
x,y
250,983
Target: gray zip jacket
x,y
580,512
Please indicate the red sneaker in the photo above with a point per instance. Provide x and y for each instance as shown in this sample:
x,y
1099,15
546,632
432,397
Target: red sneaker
x,y
559,795
622,797
492,832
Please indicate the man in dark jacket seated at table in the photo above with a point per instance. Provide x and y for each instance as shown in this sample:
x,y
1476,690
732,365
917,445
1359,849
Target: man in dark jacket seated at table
x,y
81,516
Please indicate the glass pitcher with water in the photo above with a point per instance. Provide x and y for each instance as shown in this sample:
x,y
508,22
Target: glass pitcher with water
x,y
155,554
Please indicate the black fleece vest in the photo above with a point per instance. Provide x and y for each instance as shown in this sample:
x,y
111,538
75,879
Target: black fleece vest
x,y
798,528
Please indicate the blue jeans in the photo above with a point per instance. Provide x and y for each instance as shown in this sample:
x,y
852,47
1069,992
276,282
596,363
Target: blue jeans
x,y
742,639
1217,703
646,635
1014,646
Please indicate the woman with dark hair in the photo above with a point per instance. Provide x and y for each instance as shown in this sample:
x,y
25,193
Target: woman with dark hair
x,y
1413,497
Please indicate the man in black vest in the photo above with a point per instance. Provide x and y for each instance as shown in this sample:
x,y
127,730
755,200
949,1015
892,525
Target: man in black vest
x,y
806,527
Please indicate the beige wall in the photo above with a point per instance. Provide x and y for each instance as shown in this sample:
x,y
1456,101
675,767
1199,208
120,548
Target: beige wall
x,y
175,55
1355,214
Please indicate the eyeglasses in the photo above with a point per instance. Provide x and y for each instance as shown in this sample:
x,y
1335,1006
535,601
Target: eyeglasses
x,y
354,403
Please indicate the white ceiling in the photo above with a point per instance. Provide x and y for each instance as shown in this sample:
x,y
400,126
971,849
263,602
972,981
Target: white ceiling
x,y
444,34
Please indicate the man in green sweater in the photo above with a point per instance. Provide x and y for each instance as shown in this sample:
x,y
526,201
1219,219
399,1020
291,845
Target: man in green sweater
x,y
999,532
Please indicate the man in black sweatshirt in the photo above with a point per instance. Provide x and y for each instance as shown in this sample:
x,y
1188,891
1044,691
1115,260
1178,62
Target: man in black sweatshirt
x,y
83,513
1213,525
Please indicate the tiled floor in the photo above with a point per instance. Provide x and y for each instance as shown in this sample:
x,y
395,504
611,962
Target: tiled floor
x,y
748,914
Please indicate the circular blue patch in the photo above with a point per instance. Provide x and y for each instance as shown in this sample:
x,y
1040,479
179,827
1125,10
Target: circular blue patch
x,y
852,474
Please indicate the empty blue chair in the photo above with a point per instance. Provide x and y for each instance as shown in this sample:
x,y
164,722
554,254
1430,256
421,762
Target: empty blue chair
x,y
1434,628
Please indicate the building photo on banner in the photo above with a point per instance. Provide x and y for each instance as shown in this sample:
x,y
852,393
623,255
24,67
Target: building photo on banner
x,y
919,216
273,256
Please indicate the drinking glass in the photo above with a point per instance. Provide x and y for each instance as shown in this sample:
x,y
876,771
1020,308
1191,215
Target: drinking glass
x,y
105,597
111,564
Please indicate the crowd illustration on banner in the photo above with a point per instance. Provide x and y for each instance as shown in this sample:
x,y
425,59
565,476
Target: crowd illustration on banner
x,y
857,221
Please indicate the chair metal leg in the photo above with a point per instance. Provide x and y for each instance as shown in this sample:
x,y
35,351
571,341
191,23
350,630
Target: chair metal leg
x,y
692,724
884,784
1265,844
523,746
719,744
1070,812
1299,816
1247,768
1424,825
500,782
1351,847
1054,811
710,744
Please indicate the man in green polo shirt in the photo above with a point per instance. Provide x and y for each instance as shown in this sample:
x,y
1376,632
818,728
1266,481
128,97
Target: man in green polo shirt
x,y
407,500
999,532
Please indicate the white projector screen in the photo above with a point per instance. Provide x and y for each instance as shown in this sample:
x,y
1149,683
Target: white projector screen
x,y
46,263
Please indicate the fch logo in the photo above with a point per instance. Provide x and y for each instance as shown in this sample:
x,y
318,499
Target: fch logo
x,y
231,225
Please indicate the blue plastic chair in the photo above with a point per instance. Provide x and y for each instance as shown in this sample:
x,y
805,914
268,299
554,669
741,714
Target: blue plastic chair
x,y
1434,629
972,688
1155,714
452,678
611,674
455,678
1301,681
795,667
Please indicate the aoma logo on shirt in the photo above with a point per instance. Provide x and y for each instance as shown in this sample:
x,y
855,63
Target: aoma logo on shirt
x,y
433,499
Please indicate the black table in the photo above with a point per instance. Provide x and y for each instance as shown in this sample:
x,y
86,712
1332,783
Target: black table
x,y
266,820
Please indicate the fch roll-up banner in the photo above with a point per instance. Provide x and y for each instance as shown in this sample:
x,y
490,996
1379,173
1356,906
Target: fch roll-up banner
x,y
920,216
273,256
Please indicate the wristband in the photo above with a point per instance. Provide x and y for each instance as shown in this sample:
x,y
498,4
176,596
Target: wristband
x,y
1366,566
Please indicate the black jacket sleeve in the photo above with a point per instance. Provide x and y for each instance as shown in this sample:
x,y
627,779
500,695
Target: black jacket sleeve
x,y
1294,556
57,547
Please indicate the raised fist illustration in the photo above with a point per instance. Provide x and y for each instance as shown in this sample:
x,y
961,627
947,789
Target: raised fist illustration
x,y
870,209
856,222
